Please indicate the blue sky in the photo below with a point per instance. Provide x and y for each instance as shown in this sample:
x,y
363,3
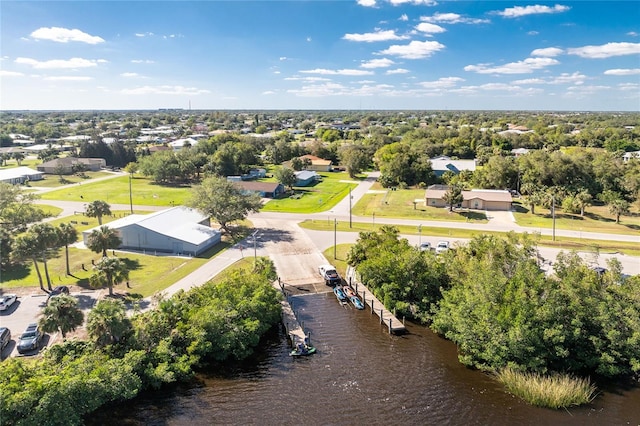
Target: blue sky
x,y
347,54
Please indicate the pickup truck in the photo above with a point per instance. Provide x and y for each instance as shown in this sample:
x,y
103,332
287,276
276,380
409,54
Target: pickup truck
x,y
329,274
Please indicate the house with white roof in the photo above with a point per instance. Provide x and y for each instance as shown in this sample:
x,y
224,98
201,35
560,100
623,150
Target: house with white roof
x,y
442,164
178,230
19,175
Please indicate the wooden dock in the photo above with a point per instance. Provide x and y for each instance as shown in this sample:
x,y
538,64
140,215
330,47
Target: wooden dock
x,y
295,331
371,303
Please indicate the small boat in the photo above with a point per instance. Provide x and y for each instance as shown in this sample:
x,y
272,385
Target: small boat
x,y
353,297
303,350
356,302
337,290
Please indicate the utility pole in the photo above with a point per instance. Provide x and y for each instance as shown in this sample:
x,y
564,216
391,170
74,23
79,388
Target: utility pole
x,y
335,238
419,234
553,214
130,194
350,207
255,249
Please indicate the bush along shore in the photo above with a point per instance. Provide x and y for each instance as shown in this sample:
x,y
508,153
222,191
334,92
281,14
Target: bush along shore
x,y
217,322
539,334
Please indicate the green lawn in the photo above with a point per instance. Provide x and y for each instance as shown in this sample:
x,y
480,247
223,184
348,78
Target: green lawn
x,y
116,191
148,274
400,204
316,198
53,181
564,243
51,211
596,219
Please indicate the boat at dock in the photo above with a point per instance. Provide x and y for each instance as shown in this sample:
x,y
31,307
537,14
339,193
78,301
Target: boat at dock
x,y
353,297
303,350
340,295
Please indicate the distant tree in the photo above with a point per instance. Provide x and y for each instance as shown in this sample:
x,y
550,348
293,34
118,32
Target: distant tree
x,y
223,201
109,271
618,207
453,196
297,164
100,240
17,208
354,159
25,246
285,176
18,156
583,199
98,208
61,314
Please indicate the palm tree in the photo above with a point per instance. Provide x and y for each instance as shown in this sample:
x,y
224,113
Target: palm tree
x,y
583,199
47,239
26,246
100,240
109,271
618,207
98,208
107,323
61,314
67,234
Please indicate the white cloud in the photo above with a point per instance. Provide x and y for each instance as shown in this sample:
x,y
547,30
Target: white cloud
x,y
606,50
147,34
269,92
429,28
164,90
441,83
367,3
309,39
129,74
68,78
307,79
416,2
59,63
320,90
548,52
142,61
377,63
532,33
414,50
632,34
529,81
65,35
403,17
518,11
520,67
566,78
283,58
375,36
452,18
323,71
5,73
622,71
397,71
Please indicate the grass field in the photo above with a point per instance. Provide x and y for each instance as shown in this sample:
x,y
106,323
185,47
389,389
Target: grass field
x,y
312,199
116,191
564,243
596,219
400,204
53,181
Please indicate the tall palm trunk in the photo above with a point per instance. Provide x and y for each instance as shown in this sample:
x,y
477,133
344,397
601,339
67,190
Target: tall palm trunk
x,y
35,263
46,271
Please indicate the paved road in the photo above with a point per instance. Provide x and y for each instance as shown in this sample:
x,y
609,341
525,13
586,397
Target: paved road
x,y
297,252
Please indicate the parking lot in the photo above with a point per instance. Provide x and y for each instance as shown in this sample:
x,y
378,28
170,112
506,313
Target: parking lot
x,y
28,309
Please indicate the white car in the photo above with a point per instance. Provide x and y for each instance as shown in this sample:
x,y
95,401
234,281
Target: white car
x,y
426,246
442,247
7,300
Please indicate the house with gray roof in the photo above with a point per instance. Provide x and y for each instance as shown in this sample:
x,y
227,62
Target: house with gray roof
x,y
178,230
442,164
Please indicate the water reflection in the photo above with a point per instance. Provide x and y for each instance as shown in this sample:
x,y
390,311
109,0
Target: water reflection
x,y
361,374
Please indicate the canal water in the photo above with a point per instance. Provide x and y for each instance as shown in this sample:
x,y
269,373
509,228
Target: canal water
x,y
360,375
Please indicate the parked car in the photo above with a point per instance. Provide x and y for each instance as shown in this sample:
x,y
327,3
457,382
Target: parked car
x,y
330,275
31,339
426,246
57,291
5,337
442,247
7,300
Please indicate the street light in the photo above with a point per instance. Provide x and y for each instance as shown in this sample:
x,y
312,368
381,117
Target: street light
x,y
255,248
419,234
130,194
350,197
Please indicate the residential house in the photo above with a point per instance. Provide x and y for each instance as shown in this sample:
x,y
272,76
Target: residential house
x,y
178,230
306,177
263,189
442,164
67,163
317,164
477,199
20,175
